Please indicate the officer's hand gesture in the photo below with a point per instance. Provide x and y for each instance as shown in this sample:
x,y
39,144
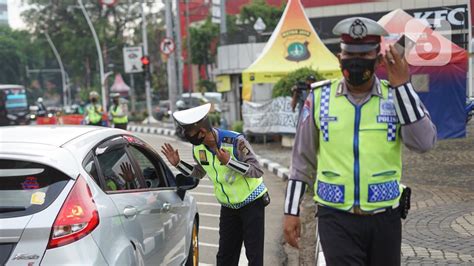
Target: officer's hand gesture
x,y
171,154
291,230
223,156
397,67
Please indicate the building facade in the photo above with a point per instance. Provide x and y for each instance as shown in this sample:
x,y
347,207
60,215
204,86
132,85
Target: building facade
x,y
3,13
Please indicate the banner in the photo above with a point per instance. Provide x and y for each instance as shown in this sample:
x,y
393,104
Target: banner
x,y
274,116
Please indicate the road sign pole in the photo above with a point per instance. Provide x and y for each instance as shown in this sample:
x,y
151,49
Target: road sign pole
x,y
147,73
172,89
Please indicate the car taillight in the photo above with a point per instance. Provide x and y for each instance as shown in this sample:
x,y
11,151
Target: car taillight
x,y
77,218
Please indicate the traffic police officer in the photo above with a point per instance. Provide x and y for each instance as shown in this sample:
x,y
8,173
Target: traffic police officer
x,y
228,160
93,113
348,146
118,111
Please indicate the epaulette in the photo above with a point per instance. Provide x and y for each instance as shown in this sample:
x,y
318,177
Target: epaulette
x,y
228,140
319,84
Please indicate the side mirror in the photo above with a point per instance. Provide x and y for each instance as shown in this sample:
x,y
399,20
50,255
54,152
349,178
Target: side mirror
x,y
185,183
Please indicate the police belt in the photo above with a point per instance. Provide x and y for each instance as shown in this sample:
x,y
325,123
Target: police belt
x,y
358,211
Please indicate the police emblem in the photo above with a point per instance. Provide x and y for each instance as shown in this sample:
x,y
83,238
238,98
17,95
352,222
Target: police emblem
x,y
358,30
298,51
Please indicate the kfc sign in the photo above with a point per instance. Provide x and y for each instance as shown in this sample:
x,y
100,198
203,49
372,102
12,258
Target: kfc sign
x,y
456,16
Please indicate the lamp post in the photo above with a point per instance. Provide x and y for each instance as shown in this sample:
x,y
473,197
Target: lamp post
x,y
61,66
99,53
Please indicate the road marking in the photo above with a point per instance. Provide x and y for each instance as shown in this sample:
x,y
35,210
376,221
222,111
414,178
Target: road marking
x,y
208,204
202,194
206,186
209,215
208,245
205,264
208,228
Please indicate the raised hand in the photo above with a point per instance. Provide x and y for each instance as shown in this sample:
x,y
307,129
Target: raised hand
x,y
223,156
397,67
127,172
170,153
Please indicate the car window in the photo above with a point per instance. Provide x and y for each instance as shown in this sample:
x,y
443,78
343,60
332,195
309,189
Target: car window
x,y
154,175
91,168
27,187
118,171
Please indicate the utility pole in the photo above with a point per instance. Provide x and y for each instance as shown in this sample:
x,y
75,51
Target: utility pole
x,y
223,37
188,51
177,26
147,73
172,90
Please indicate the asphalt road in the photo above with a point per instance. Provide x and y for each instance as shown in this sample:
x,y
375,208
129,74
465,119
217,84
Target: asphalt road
x,y
209,210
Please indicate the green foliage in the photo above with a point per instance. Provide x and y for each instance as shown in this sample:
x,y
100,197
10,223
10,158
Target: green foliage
x,y
215,118
203,38
284,85
205,85
259,8
238,126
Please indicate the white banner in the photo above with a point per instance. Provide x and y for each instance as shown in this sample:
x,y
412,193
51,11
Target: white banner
x,y
274,116
132,59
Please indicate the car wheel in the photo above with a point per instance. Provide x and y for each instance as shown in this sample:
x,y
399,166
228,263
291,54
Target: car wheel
x,y
193,256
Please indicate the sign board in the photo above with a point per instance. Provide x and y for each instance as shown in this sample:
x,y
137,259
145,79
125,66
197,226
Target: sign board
x,y
216,11
131,59
167,46
223,83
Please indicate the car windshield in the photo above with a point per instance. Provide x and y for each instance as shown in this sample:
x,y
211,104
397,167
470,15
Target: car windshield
x,y
28,187
16,101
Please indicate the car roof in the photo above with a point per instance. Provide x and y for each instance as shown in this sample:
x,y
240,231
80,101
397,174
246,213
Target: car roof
x,y
47,135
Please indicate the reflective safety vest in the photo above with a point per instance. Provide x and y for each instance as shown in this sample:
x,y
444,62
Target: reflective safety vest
x,y
359,158
93,115
116,119
239,190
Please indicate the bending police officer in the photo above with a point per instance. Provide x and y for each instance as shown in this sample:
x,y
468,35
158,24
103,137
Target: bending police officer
x,y
228,160
348,146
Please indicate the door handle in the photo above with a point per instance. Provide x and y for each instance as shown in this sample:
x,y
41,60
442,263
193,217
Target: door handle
x,y
129,212
166,207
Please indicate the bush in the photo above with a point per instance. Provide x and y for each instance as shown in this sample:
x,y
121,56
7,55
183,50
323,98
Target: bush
x,y
284,85
238,126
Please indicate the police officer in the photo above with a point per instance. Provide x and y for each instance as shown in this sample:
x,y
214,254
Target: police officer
x,y
118,111
228,160
93,112
348,146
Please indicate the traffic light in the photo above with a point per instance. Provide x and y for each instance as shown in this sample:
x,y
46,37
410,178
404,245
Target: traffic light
x,y
145,63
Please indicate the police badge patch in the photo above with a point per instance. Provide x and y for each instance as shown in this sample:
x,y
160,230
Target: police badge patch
x,y
387,113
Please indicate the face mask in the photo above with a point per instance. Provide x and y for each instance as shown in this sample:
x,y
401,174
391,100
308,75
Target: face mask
x,y
357,71
195,139
94,100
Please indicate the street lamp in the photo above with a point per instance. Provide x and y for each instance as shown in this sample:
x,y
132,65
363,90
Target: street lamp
x,y
61,66
99,53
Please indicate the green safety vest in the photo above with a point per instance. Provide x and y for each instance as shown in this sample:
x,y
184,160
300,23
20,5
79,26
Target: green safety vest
x,y
94,117
359,157
118,119
240,190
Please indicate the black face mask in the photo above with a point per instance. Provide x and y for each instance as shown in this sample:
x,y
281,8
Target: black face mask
x,y
357,71
195,139
94,100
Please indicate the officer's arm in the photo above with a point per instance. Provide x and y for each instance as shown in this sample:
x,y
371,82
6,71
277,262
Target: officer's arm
x,y
417,130
187,169
246,163
303,164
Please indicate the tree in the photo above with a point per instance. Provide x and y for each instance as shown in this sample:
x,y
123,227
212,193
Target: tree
x,y
203,44
284,85
260,9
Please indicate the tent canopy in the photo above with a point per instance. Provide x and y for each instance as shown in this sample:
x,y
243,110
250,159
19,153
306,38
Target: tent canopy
x,y
294,44
438,69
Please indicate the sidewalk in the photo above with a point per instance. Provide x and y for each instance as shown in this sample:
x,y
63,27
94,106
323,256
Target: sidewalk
x,y
440,226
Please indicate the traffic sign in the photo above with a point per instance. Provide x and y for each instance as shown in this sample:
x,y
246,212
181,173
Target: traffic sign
x,y
167,46
108,3
132,59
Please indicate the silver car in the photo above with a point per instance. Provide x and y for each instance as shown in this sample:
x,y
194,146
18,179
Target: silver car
x,y
91,196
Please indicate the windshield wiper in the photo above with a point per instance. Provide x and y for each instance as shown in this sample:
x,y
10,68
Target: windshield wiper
x,y
4,209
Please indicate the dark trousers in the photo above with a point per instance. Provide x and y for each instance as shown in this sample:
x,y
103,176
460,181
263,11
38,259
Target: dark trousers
x,y
121,126
246,224
349,239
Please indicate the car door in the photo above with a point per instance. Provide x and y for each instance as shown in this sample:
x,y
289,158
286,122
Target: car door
x,y
163,188
141,213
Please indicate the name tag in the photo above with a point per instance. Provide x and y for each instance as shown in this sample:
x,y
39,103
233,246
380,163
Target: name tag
x,y
328,118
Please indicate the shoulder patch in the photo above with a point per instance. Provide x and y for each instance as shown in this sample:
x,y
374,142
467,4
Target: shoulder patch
x,y
228,140
319,84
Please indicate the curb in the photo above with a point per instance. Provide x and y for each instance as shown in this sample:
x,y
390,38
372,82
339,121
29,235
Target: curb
x,y
277,169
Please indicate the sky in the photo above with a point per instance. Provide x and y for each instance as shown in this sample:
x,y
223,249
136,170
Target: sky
x,y
14,10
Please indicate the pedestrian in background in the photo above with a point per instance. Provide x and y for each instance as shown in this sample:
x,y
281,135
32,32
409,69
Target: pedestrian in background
x,y
230,163
349,147
118,112
93,112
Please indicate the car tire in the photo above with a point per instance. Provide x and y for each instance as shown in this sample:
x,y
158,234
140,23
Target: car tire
x,y
193,256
